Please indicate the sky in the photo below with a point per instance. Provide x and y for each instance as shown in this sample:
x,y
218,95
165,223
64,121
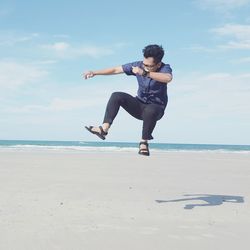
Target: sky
x,y
45,46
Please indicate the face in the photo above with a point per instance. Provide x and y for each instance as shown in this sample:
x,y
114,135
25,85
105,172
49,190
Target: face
x,y
149,64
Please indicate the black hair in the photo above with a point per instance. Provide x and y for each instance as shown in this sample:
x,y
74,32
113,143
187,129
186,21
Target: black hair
x,y
155,51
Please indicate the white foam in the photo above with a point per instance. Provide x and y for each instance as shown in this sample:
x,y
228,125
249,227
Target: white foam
x,y
110,149
66,148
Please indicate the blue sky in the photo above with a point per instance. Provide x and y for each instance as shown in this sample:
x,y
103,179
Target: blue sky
x,y
46,45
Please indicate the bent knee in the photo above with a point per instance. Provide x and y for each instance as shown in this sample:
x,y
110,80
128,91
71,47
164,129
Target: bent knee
x,y
119,96
153,112
116,95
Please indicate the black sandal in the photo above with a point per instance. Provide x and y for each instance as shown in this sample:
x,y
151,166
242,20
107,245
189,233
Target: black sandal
x,y
144,151
102,134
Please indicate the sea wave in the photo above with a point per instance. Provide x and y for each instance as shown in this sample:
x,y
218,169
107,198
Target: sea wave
x,y
81,148
65,148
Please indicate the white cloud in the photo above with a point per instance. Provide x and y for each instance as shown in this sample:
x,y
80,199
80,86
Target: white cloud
x,y
213,95
59,46
241,60
56,105
59,104
68,99
221,5
44,62
94,51
236,36
9,38
59,49
239,33
66,50
199,48
236,45
61,36
13,74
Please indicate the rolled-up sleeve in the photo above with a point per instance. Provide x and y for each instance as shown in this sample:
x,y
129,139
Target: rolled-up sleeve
x,y
166,69
127,68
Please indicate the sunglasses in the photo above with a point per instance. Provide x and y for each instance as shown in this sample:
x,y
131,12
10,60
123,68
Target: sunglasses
x,y
149,66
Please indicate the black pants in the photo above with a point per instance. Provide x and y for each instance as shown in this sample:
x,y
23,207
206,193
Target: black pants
x,y
149,113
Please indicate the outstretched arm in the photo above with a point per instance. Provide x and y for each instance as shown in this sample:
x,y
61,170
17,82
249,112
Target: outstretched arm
x,y
109,71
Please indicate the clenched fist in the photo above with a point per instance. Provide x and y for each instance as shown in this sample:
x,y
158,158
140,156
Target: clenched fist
x,y
89,74
137,70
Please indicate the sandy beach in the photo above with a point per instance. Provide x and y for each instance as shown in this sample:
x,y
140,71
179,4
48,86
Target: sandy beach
x,y
104,201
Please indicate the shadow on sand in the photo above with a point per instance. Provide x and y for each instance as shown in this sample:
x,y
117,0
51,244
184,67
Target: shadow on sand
x,y
210,199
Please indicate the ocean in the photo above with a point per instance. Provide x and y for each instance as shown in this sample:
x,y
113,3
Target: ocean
x,y
20,145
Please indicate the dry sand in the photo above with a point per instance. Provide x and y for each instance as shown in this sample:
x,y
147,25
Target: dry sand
x,y
123,201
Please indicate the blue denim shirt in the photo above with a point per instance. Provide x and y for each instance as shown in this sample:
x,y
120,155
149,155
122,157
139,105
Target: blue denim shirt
x,y
149,90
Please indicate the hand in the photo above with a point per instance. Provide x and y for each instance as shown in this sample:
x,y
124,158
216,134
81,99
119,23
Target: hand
x,y
137,70
88,74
